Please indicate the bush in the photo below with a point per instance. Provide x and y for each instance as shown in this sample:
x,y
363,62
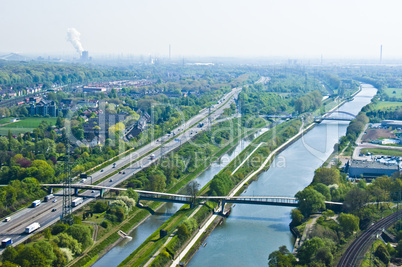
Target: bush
x,y
59,228
105,224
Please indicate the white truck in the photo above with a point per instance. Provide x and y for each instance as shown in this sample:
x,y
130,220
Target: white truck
x,y
49,197
32,228
36,203
77,201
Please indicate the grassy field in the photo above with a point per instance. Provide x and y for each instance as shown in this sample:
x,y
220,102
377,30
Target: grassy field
x,y
397,94
24,125
6,120
382,151
387,104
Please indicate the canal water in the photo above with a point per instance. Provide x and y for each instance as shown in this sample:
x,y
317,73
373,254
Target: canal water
x,y
252,232
116,255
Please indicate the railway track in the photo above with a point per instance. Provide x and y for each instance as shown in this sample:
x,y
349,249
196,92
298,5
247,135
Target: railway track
x,y
352,254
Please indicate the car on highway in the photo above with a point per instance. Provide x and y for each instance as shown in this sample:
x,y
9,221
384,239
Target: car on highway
x,y
7,219
93,191
102,170
53,210
111,180
54,200
119,172
124,172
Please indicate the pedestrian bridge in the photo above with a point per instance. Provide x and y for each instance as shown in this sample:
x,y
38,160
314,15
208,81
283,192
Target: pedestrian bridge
x,y
188,199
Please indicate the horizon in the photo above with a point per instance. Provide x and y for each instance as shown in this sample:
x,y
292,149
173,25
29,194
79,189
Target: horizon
x,y
228,29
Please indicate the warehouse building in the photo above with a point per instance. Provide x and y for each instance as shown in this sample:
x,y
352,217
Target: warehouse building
x,y
370,169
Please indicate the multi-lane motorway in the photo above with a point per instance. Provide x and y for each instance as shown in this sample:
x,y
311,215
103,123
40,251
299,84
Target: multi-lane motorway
x,y
45,214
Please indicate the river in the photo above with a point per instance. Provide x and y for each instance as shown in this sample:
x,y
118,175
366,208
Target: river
x,y
116,255
252,232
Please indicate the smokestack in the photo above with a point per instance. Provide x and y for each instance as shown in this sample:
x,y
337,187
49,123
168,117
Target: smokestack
x,y
381,55
73,36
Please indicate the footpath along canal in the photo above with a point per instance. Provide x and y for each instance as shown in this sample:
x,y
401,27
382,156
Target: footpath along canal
x,y
117,254
252,232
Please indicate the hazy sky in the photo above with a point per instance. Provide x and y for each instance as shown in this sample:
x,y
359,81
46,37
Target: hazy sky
x,y
290,28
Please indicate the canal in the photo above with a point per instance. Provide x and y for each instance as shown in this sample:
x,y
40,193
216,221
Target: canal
x,y
117,254
252,232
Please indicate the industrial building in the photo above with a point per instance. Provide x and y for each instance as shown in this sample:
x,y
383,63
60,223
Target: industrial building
x,y
370,169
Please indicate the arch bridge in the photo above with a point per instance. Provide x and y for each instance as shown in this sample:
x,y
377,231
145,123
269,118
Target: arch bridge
x,y
336,115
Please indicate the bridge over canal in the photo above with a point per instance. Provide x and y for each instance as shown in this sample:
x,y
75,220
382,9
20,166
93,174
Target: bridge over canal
x,y
188,199
335,115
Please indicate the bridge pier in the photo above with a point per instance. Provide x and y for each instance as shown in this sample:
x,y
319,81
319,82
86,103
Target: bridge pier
x,y
76,191
101,193
222,212
50,190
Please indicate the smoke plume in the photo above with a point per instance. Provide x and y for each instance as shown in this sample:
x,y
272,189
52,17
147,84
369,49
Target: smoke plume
x,y
73,36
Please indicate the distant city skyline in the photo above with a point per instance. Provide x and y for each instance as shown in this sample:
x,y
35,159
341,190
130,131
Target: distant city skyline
x,y
291,28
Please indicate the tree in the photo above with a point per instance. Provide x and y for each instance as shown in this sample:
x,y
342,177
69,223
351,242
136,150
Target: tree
x,y
324,190
64,240
41,170
324,255
157,181
100,206
355,199
47,233
310,201
10,254
382,253
297,217
131,193
348,223
46,249
32,256
182,232
81,233
327,176
308,249
61,259
281,258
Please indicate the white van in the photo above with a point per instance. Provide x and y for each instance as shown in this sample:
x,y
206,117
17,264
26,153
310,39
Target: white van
x,y
7,219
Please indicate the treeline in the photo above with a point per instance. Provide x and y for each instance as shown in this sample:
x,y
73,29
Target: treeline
x,y
298,82
22,74
254,100
376,115
60,245
353,131
308,102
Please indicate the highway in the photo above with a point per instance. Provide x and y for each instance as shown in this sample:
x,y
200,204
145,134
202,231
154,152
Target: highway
x,y
46,217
